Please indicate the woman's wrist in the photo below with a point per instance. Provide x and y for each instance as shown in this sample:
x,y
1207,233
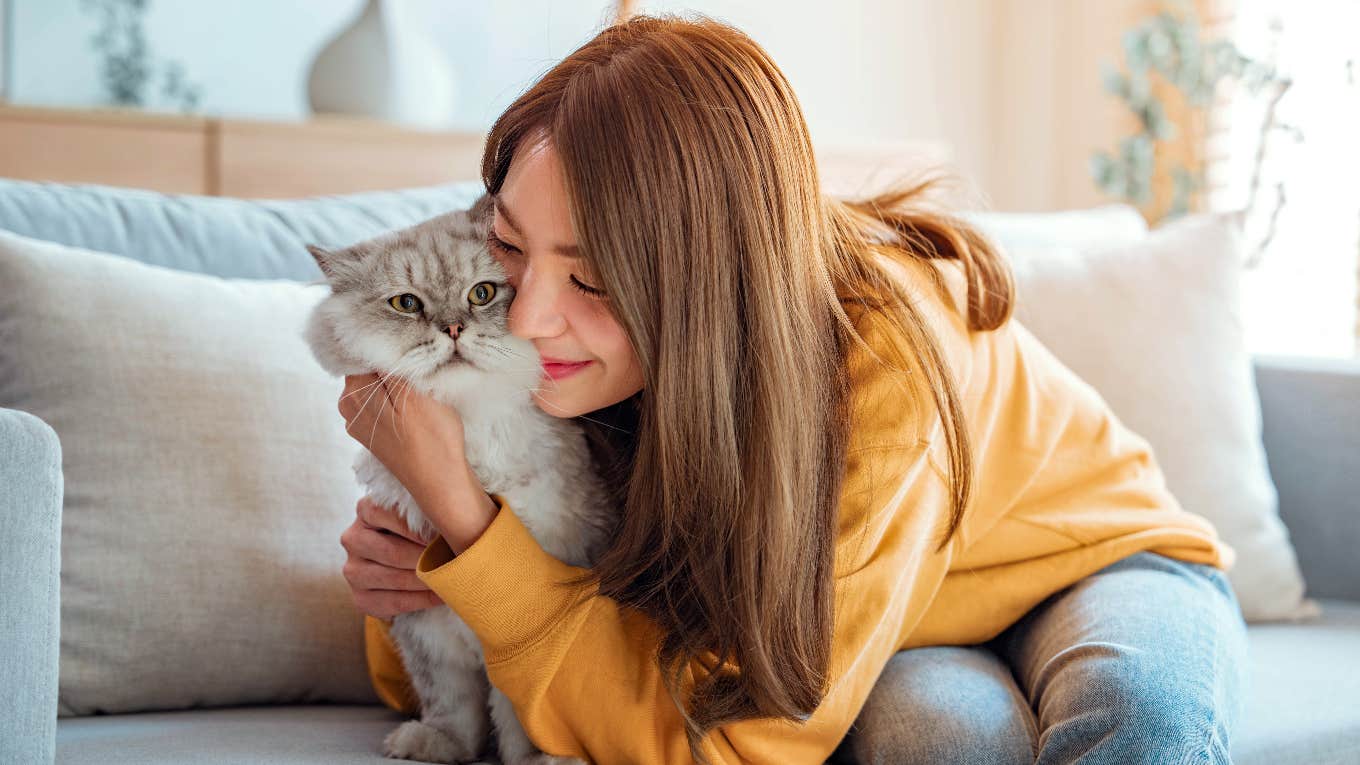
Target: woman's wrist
x,y
459,508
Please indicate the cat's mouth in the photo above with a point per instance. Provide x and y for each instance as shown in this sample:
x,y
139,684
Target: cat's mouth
x,y
454,358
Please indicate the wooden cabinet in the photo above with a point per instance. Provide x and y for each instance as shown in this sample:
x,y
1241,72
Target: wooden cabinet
x,y
162,153
229,157
322,155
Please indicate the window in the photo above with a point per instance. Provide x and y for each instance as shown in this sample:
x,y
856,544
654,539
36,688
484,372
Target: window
x,y
1301,293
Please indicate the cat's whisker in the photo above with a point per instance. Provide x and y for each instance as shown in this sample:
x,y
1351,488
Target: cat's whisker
x,y
405,393
372,388
508,351
579,416
381,405
406,386
361,389
510,355
381,378
399,383
555,386
401,364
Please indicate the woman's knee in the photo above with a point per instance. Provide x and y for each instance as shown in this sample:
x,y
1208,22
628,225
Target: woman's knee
x,y
1126,705
944,704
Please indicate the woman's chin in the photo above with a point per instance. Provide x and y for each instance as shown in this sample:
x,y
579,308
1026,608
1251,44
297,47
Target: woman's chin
x,y
555,404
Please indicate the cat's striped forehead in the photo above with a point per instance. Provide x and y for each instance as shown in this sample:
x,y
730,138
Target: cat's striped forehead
x,y
446,252
434,234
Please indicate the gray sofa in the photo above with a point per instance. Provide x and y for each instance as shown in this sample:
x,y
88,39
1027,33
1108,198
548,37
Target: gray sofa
x,y
1304,705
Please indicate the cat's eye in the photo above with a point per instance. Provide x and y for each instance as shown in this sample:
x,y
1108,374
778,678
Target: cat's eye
x,y
481,293
406,303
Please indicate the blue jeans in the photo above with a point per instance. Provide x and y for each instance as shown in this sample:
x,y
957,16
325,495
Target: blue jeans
x,y
1143,661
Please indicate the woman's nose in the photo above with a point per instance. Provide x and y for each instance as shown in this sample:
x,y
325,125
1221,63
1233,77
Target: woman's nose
x,y
534,312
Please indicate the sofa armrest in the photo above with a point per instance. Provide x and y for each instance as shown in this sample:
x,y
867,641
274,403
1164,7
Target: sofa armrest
x,y
30,586
1310,411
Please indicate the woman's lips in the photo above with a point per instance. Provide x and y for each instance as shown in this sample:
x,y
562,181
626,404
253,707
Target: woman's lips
x,y
558,370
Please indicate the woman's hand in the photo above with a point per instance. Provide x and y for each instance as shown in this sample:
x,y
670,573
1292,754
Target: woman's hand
x,y
381,563
417,438
421,442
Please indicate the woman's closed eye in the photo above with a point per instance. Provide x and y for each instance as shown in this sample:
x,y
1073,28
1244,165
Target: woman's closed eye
x,y
505,248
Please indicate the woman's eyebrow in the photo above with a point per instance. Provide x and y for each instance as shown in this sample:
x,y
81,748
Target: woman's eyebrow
x,y
565,250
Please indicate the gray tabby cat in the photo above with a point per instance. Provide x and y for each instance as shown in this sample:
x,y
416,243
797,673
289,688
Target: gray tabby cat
x,y
428,304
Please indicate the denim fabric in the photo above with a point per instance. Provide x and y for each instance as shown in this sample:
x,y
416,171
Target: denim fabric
x,y
1143,661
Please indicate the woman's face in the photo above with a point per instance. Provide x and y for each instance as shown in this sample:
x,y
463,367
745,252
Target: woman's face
x,y
588,361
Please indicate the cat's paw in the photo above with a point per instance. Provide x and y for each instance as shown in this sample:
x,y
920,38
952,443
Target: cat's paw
x,y
414,740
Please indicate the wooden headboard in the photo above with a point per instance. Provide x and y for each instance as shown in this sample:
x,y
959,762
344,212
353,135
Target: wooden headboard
x,y
322,155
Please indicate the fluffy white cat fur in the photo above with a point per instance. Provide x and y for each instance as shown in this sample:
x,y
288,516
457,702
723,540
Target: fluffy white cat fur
x,y
539,463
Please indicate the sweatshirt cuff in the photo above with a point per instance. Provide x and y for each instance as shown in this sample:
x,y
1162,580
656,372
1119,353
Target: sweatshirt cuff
x,y
505,586
385,669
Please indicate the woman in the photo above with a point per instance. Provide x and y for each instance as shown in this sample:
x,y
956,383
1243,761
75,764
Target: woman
x,y
850,484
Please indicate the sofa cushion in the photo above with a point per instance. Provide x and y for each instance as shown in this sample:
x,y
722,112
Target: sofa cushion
x,y
265,239
1303,694
1155,326
272,735
1303,708
207,481
1094,226
246,238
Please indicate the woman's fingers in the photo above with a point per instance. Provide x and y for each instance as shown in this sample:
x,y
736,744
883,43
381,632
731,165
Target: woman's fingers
x,y
368,575
380,517
381,561
385,604
364,541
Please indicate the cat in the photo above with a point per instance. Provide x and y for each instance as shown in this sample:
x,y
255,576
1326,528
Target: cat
x,y
429,304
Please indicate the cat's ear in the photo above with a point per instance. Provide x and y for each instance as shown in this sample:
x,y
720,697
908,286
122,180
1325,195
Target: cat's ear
x,y
324,258
481,211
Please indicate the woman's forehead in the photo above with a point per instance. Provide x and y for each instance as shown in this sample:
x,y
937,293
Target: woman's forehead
x,y
561,243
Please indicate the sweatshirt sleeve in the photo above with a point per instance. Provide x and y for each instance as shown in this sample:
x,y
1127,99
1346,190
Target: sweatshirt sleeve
x,y
385,668
581,671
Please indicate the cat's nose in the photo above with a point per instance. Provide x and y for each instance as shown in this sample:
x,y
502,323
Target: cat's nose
x,y
455,330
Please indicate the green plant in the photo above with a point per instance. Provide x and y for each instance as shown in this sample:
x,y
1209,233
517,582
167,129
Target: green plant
x,y
1170,45
127,66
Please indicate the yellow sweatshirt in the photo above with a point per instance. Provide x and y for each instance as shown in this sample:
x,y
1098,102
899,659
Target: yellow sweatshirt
x,y
1061,489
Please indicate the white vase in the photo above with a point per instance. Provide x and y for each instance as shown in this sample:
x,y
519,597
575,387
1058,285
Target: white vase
x,y
382,66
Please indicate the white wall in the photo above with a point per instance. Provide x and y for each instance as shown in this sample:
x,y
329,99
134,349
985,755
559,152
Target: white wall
x,y
1048,109
1011,85
251,56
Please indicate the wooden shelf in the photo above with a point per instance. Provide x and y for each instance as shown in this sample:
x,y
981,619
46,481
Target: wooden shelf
x,y
322,155
229,157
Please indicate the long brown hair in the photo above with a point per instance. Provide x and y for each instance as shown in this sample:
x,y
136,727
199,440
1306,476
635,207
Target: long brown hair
x,y
694,195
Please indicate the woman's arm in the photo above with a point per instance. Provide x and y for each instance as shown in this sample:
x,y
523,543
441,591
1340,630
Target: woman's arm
x,y
581,670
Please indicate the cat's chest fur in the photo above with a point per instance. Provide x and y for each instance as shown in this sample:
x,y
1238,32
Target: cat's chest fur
x,y
540,464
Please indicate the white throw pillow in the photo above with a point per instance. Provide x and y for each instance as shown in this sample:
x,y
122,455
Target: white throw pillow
x,y
208,477
1155,326
1106,224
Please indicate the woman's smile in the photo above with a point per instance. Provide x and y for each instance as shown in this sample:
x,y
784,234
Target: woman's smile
x,y
557,369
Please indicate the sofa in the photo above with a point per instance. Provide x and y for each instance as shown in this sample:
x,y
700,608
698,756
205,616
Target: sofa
x,y
1304,703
